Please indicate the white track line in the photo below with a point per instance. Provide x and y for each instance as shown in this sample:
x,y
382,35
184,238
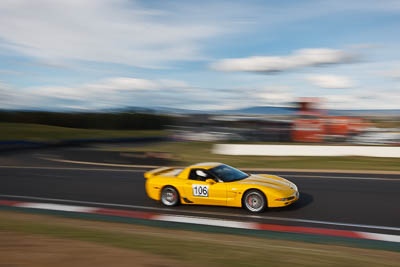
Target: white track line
x,y
340,177
100,163
332,223
135,170
84,202
250,170
208,213
60,207
382,237
205,221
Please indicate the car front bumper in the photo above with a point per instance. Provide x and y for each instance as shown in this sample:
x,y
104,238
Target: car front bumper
x,y
288,200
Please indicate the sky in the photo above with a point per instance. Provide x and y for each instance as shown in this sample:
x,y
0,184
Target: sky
x,y
198,55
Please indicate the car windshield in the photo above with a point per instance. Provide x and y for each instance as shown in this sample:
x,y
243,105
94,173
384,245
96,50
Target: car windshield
x,y
228,174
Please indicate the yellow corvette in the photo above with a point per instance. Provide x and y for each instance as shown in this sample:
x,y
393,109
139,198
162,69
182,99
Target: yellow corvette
x,y
212,183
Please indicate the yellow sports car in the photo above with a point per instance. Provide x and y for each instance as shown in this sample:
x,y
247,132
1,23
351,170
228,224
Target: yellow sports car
x,y
214,183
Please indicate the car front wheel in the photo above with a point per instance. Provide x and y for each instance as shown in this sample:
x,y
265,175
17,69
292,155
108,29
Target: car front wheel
x,y
254,201
169,196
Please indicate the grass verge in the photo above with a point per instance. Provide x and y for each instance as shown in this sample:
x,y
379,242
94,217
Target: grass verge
x,y
190,248
194,152
37,132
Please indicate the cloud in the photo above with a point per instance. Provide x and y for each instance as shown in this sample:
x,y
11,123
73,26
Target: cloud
x,y
136,92
5,94
113,92
9,72
394,74
113,31
299,59
111,88
11,99
148,33
363,100
119,92
273,97
331,81
123,84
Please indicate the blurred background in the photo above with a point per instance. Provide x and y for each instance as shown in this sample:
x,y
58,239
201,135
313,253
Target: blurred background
x,y
93,93
307,71
303,121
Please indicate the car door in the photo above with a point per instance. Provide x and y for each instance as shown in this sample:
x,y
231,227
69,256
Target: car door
x,y
198,191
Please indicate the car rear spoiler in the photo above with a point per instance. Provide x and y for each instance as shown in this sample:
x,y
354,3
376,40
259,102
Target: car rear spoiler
x,y
157,171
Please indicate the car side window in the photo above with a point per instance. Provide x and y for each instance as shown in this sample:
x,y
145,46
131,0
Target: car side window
x,y
199,175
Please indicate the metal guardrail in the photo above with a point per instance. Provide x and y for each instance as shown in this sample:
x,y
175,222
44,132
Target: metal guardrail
x,y
306,150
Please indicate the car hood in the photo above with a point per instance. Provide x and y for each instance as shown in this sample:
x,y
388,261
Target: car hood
x,y
270,181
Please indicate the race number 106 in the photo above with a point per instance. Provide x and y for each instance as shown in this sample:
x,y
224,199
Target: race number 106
x,y
200,190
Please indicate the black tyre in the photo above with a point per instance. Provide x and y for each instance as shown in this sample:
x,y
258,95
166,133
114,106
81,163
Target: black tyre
x,y
254,201
169,196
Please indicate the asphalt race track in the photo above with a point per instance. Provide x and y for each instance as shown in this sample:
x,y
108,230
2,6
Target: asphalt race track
x,y
363,202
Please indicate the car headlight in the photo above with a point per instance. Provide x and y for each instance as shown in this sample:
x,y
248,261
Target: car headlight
x,y
293,186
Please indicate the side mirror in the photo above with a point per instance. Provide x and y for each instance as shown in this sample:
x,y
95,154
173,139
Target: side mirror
x,y
210,181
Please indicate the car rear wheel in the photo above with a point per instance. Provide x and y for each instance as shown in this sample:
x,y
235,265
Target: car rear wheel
x,y
254,201
169,196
